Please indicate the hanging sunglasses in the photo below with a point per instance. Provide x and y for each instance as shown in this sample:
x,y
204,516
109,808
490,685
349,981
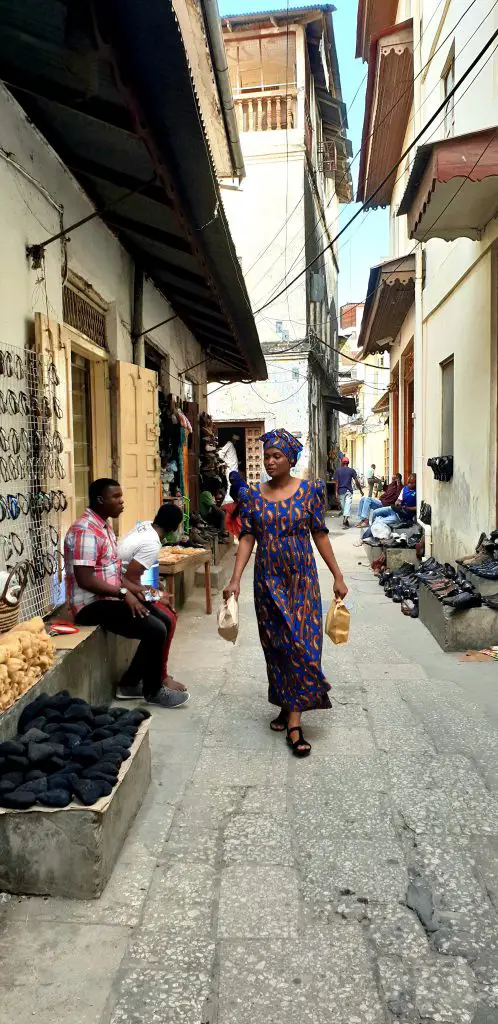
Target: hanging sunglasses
x,y
19,368
23,502
23,404
62,501
4,472
54,536
57,442
14,441
3,404
17,544
53,376
55,499
12,468
8,368
25,441
59,469
4,441
12,403
22,468
13,507
58,408
7,549
45,408
35,407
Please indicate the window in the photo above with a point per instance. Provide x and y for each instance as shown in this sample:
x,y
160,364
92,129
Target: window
x,y
80,379
262,64
448,78
447,406
295,372
83,315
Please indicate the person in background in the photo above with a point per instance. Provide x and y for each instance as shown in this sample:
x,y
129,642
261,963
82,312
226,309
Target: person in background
x,y
388,497
345,479
371,480
281,517
405,509
99,595
139,551
232,510
228,455
210,508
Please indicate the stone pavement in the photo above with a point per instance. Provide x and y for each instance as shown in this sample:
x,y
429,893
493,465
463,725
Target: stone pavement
x,y
357,887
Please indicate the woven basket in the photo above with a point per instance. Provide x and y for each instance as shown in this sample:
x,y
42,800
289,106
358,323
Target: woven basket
x,y
9,613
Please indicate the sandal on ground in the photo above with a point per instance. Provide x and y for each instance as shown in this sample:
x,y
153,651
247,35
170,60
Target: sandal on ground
x,y
280,724
298,745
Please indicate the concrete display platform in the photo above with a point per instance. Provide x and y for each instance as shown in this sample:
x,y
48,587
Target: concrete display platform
x,y
485,587
72,852
458,631
372,551
396,557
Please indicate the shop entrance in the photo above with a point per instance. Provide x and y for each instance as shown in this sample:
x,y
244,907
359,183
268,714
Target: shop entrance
x,y
247,445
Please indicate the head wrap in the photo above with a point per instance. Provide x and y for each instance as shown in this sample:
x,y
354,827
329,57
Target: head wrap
x,y
285,442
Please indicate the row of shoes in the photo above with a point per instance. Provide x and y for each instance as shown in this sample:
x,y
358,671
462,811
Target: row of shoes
x,y
442,467
484,562
449,585
401,586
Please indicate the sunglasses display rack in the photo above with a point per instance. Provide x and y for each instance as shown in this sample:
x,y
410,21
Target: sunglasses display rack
x,y
32,475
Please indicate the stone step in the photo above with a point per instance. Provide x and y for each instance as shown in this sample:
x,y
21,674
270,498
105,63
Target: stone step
x,y
220,574
458,631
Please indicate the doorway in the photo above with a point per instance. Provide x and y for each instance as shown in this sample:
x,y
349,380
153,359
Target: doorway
x,y
82,435
248,447
408,407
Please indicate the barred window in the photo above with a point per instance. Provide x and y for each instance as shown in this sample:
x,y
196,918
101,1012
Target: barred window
x,y
81,314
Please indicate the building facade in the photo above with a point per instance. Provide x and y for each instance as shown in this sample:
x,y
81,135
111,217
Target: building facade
x,y
292,124
431,302
115,307
364,436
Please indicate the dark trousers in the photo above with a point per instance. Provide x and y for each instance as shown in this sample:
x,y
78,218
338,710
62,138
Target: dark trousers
x,y
152,631
216,517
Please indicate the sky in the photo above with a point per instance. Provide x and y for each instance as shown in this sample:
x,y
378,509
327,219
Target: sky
x,y
366,242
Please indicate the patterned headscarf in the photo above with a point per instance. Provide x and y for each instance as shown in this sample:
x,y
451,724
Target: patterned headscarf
x,y
285,442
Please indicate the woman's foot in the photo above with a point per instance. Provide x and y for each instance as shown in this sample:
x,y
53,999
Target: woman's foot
x,y
299,746
280,724
173,684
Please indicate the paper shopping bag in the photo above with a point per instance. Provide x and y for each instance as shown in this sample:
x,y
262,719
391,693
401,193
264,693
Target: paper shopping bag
x,y
228,619
337,624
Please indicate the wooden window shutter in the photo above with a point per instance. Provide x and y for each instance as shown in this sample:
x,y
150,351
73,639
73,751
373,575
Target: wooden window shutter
x,y
139,470
101,419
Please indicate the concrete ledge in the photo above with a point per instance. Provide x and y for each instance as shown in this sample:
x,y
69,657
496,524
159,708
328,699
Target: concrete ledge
x,y
484,587
458,631
219,575
72,852
91,671
395,557
372,551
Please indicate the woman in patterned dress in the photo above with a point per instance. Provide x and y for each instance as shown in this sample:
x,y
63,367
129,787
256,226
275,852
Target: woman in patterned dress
x,y
280,515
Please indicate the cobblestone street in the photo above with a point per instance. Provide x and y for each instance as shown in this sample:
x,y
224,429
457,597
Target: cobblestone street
x,y
358,887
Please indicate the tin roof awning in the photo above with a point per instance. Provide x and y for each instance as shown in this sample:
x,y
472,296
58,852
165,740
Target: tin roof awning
x,y
390,294
387,109
341,404
452,191
110,88
350,387
382,405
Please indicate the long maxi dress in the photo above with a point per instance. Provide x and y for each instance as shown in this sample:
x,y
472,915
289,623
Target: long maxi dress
x,y
287,594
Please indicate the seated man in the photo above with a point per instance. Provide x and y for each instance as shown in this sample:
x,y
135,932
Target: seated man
x,y
209,505
139,550
387,498
98,595
404,511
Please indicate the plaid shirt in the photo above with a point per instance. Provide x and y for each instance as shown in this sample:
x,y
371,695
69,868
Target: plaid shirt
x,y
90,541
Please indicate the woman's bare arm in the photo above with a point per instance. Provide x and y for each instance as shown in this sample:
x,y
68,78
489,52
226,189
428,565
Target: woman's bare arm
x,y
246,545
325,548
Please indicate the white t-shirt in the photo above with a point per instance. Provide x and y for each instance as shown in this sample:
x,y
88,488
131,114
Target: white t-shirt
x,y
141,544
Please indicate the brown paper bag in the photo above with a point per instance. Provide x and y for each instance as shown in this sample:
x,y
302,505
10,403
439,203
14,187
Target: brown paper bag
x,y
228,619
337,624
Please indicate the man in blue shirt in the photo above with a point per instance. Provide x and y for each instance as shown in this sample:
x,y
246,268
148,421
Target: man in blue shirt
x,y
344,478
405,508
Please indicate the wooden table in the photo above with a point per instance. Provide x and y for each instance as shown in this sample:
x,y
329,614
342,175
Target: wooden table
x,y
172,569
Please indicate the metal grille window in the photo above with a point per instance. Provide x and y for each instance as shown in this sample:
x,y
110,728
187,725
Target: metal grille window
x,y
81,314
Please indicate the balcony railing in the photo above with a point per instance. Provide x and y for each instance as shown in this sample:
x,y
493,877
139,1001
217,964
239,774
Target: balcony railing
x,y
258,112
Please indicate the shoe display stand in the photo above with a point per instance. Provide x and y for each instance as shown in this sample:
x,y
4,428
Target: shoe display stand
x,y
71,852
485,587
396,557
472,629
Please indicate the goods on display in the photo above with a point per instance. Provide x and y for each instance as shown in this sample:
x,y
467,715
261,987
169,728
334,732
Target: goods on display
x,y
66,752
26,652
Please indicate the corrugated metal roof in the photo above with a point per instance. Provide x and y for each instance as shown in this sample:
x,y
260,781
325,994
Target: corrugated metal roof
x,y
282,12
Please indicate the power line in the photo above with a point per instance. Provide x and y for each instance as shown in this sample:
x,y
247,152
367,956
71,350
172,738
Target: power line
x,y
278,401
274,296
386,178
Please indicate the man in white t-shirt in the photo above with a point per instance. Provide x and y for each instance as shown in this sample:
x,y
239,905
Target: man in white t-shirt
x,y
139,551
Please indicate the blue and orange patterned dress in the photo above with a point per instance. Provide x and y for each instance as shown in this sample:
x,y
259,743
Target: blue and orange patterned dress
x,y
287,594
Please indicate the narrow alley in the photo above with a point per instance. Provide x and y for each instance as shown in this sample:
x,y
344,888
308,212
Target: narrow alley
x,y
257,888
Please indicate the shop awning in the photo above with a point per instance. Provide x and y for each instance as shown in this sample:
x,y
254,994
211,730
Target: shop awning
x,y
390,294
452,191
336,401
387,109
110,88
350,387
382,405
373,16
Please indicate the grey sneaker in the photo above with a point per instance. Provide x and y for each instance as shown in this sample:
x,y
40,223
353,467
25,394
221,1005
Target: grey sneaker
x,y
129,692
165,698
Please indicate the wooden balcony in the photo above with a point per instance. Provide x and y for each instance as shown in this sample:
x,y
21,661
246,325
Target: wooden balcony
x,y
266,112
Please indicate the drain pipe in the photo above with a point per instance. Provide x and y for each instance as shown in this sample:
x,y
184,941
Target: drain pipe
x,y
220,66
418,347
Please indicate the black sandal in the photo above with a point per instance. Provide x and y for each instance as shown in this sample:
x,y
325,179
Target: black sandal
x,y
298,743
280,724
